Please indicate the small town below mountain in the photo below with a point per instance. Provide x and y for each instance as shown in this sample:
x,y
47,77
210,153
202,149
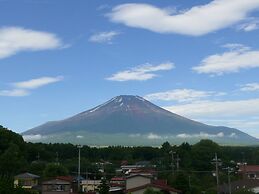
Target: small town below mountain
x,y
204,167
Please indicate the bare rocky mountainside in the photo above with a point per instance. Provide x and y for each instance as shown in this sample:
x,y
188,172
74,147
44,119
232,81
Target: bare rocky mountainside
x,y
132,120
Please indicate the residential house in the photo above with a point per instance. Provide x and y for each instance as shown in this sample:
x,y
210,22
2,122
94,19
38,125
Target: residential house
x,y
117,185
249,171
56,186
143,171
90,185
137,184
137,181
118,182
250,184
27,181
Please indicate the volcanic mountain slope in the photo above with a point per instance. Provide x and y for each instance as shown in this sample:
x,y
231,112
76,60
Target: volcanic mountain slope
x,y
132,120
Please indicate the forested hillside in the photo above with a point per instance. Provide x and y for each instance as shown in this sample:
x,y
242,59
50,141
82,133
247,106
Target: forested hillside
x,y
50,160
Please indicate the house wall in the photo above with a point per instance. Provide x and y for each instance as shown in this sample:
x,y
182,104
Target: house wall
x,y
55,192
141,191
137,181
256,189
26,183
48,189
90,185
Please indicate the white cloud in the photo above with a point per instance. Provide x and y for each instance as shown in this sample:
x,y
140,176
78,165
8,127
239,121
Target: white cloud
x,y
104,37
249,26
141,73
232,61
247,124
201,135
240,114
79,136
181,95
14,92
217,109
24,88
33,137
36,83
135,135
236,47
196,21
250,87
153,136
16,39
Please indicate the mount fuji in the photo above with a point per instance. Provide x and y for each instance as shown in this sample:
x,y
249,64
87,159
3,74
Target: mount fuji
x,y
131,120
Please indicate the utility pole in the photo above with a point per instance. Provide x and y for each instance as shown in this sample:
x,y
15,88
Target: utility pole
x,y
189,181
86,173
79,163
38,157
57,158
177,162
229,181
229,170
217,161
172,153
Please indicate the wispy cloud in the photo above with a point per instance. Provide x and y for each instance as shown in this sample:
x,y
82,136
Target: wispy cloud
x,y
24,88
153,136
36,83
16,39
249,125
141,73
250,87
198,20
182,95
251,25
104,37
202,135
240,114
236,58
37,137
217,109
14,92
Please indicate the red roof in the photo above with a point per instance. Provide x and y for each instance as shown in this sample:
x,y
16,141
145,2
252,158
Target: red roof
x,y
151,171
162,187
118,179
65,178
249,168
117,185
161,182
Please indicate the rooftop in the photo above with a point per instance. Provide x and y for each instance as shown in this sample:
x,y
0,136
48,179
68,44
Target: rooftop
x,y
26,176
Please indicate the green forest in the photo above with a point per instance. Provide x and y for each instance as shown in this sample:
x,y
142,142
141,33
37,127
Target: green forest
x,y
194,174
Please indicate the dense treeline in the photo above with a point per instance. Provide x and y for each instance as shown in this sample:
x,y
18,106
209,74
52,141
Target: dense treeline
x,y
195,165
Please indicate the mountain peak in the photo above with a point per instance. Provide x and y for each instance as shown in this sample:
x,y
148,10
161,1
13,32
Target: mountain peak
x,y
135,120
121,103
128,98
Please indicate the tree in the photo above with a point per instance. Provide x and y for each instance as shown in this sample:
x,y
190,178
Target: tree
x,y
166,147
104,187
53,170
7,137
12,161
202,154
6,187
180,181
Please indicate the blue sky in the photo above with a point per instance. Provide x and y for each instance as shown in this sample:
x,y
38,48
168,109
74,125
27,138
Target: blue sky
x,y
199,59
